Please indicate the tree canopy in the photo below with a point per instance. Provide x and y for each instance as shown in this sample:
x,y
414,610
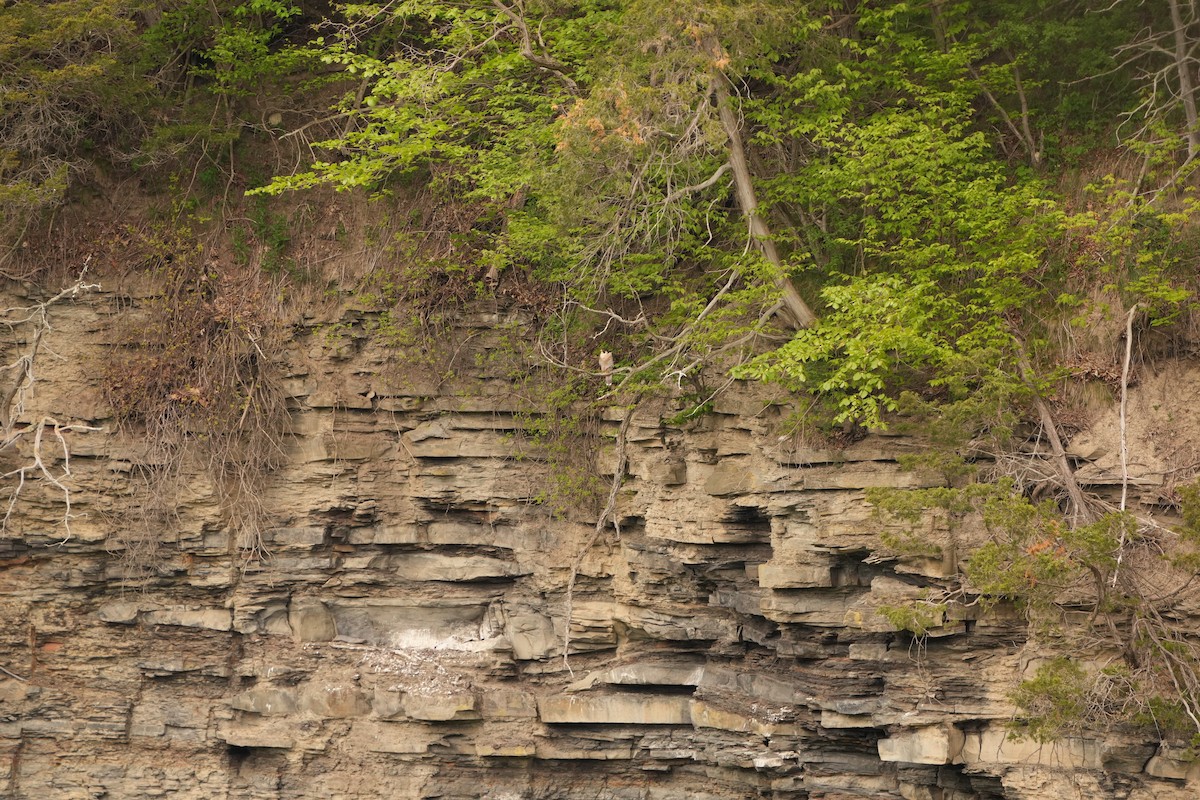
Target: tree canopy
x,y
897,167
854,200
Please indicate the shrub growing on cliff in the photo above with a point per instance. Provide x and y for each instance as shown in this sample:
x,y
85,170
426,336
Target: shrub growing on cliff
x,y
1107,590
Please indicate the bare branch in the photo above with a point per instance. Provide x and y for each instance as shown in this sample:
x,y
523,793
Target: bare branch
x,y
1023,134
699,187
13,675
543,60
38,468
1080,510
1124,438
12,403
1184,70
797,310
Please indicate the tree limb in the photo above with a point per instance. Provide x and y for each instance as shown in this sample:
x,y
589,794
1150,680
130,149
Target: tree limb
x,y
1123,428
798,311
12,403
1080,510
699,187
1184,70
543,60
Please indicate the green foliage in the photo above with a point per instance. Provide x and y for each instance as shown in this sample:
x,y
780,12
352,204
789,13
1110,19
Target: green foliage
x,y
919,619
1128,245
269,233
65,93
917,165
1188,557
561,434
240,56
933,249
931,246
450,92
1054,702
1040,562
1032,556
1063,699
596,148
229,47
1057,65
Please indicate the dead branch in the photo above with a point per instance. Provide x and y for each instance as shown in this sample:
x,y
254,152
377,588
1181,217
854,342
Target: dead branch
x,y
1024,133
1184,66
1124,438
1172,86
14,675
12,404
12,401
699,187
1080,509
38,468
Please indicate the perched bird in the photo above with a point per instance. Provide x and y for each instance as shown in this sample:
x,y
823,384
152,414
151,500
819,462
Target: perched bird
x,y
606,366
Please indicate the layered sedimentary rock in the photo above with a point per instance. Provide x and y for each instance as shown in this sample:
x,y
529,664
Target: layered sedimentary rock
x,y
404,637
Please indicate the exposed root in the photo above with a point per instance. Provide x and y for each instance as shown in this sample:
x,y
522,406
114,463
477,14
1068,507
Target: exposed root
x,y
606,514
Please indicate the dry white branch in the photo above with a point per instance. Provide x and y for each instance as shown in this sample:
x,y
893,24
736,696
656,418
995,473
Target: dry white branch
x,y
1124,437
699,187
38,467
14,675
33,322
12,402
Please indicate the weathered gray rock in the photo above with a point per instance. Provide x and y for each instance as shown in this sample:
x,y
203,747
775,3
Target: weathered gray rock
x,y
216,619
311,621
255,735
333,701
612,709
266,701
119,611
405,636
441,707
938,744
437,567
1175,769
303,538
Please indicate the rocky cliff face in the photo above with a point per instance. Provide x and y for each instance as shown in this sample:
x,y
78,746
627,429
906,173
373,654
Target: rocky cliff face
x,y
404,638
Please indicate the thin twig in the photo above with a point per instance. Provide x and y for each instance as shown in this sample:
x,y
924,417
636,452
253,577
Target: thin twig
x,y
14,675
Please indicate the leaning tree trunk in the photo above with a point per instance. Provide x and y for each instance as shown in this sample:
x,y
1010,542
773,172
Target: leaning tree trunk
x,y
1183,66
793,304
